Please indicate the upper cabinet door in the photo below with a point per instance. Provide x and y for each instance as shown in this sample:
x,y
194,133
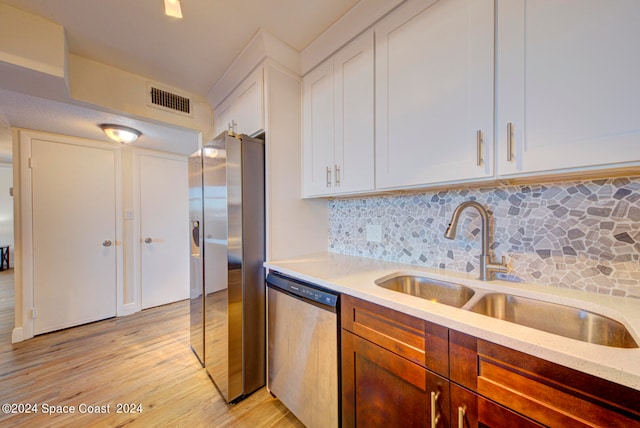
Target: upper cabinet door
x,y
568,86
242,112
338,136
318,130
354,124
223,117
249,105
435,93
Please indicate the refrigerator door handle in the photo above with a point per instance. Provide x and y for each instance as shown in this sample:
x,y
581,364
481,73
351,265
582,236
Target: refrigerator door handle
x,y
195,233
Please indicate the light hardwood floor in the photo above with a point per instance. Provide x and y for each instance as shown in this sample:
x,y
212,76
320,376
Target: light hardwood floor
x,y
142,359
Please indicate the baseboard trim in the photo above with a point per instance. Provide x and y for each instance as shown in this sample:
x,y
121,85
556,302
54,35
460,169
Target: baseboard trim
x,y
127,309
16,335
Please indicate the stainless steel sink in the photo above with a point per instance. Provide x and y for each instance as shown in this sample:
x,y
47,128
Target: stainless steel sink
x,y
558,319
426,288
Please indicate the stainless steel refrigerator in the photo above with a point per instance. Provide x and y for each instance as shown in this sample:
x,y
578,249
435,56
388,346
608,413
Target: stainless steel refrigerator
x,y
226,179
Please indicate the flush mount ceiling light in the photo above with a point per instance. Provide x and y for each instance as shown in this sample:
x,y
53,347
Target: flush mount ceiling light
x,y
172,8
120,134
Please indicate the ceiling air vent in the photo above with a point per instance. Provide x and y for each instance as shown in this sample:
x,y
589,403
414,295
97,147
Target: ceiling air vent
x,y
168,101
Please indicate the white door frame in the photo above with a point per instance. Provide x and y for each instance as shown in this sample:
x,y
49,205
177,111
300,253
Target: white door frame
x,y
137,226
26,206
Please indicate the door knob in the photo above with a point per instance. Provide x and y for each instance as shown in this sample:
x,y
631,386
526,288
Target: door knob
x,y
106,243
148,240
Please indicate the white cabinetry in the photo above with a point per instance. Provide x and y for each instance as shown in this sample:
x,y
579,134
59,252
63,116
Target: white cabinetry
x,y
338,146
242,112
434,93
567,85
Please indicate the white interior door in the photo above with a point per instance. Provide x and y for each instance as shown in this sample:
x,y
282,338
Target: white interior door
x,y
74,234
164,230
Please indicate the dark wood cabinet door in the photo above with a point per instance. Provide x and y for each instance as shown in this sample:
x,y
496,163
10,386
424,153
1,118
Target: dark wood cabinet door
x,y
382,389
470,410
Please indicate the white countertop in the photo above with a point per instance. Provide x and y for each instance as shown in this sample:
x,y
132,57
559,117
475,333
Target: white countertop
x,y
356,275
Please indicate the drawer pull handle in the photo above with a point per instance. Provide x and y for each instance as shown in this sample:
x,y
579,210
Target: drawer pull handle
x,y
480,148
509,142
435,415
461,413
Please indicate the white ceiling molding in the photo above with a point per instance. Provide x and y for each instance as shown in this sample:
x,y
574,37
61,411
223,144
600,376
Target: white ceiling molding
x,y
362,16
263,45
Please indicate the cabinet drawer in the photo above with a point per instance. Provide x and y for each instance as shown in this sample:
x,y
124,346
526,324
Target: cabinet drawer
x,y
471,410
546,392
419,341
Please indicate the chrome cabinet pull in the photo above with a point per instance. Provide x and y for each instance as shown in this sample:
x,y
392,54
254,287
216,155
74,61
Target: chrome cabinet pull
x,y
148,240
106,243
509,142
232,127
480,148
337,175
461,413
328,177
435,418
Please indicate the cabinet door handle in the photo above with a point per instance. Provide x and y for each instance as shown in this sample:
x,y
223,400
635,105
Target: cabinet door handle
x,y
337,175
461,413
509,142
480,148
435,415
328,177
106,243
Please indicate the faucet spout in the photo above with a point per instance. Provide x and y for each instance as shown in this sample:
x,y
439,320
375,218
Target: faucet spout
x,y
487,267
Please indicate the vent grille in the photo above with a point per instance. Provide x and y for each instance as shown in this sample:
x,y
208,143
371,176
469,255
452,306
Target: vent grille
x,y
170,101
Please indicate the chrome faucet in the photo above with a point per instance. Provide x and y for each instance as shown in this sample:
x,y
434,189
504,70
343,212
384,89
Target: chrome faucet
x,y
487,267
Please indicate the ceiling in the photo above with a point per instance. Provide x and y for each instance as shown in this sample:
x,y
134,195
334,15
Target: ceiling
x,y
189,54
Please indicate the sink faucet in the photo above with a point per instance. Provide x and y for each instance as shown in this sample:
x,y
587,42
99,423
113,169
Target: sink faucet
x,y
487,267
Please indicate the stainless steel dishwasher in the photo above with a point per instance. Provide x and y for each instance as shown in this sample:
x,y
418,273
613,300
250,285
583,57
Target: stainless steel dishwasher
x,y
302,353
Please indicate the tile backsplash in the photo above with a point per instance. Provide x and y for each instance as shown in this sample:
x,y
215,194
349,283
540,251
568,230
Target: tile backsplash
x,y
581,234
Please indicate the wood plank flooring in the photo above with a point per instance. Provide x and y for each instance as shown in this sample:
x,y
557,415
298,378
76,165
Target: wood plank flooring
x,y
142,359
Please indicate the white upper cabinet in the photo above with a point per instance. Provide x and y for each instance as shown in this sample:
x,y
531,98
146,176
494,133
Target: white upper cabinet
x,y
242,112
435,93
223,117
338,122
568,85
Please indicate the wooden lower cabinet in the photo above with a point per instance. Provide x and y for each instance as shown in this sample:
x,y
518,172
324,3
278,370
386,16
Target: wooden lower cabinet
x,y
382,389
548,393
393,364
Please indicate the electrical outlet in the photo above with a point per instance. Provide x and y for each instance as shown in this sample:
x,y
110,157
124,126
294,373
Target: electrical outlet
x,y
374,233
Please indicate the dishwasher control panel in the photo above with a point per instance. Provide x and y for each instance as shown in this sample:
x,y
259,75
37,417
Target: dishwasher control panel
x,y
304,290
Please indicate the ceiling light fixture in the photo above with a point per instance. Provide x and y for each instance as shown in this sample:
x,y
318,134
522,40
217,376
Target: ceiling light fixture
x,y
119,133
172,8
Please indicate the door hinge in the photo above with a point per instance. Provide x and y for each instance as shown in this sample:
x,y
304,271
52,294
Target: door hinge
x,y
33,313
30,162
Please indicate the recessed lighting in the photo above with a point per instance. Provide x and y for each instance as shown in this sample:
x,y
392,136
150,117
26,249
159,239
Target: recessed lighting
x,y
119,133
172,8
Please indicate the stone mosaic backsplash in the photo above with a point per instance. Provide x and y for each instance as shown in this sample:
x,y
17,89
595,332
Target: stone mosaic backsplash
x,y
582,234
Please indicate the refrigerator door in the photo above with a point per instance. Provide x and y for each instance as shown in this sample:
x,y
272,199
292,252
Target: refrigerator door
x,y
233,182
217,334
196,309
253,250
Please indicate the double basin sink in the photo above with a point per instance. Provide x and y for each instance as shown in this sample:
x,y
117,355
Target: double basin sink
x,y
567,321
